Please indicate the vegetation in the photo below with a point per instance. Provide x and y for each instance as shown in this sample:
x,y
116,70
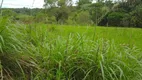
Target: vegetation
x,y
122,13
43,52
61,42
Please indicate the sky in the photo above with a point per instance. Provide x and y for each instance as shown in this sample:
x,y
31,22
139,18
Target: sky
x,y
22,3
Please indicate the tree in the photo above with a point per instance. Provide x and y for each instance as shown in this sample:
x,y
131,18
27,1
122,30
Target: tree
x,y
61,10
97,10
80,3
50,3
64,3
102,12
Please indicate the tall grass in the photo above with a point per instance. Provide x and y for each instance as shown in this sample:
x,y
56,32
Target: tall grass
x,y
79,58
13,54
39,53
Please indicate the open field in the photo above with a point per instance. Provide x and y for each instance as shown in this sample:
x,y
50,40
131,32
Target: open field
x,y
60,52
118,35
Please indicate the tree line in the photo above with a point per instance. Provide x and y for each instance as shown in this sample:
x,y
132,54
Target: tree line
x,y
124,13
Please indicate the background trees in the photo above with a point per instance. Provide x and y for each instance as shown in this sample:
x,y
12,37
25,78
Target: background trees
x,y
136,18
83,12
60,9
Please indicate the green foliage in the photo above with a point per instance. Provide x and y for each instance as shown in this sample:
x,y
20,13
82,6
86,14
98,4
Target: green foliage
x,y
51,20
126,21
109,4
62,14
60,11
41,18
8,13
81,3
83,18
115,18
62,3
136,16
97,10
103,13
50,3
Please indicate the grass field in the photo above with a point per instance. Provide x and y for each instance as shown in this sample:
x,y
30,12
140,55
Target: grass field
x,y
60,52
121,36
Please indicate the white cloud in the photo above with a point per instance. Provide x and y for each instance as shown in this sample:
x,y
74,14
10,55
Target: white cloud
x,y
22,3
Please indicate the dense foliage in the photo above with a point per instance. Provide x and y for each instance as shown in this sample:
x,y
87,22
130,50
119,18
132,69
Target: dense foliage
x,y
84,12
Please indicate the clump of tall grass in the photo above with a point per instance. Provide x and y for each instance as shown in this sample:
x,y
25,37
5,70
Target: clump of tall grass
x,y
15,64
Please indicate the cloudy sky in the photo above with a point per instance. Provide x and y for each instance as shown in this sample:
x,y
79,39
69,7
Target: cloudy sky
x,y
22,3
